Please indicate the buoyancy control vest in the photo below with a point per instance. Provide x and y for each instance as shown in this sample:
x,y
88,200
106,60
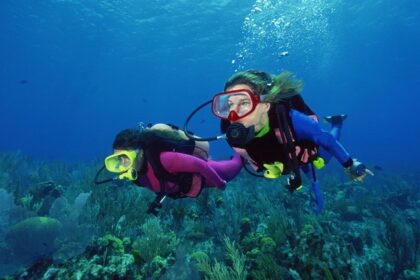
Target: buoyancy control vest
x,y
154,146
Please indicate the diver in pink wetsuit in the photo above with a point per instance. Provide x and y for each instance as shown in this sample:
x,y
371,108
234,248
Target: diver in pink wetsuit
x,y
162,159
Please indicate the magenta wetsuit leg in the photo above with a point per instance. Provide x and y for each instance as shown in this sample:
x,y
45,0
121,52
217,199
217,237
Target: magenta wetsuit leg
x,y
227,169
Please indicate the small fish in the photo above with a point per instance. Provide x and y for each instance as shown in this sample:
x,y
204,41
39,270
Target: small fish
x,y
377,167
23,82
144,100
283,54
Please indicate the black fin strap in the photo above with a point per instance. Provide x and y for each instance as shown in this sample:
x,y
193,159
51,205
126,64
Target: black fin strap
x,y
313,171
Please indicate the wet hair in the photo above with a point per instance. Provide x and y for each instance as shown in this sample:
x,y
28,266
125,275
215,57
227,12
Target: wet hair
x,y
131,139
128,139
276,88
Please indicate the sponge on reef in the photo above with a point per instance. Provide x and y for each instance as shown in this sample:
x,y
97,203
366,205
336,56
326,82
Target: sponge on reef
x,y
33,237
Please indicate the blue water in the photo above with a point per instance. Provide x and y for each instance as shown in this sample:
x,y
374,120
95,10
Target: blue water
x,y
75,72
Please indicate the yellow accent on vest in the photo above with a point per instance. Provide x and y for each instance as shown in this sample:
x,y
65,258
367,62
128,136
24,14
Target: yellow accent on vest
x,y
273,171
298,189
319,163
263,131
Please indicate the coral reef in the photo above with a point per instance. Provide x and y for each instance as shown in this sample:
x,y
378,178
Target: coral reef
x,y
254,229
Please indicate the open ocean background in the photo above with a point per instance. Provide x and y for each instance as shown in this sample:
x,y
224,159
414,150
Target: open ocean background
x,y
73,73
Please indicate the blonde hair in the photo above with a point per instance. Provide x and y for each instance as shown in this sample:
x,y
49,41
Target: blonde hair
x,y
285,85
274,88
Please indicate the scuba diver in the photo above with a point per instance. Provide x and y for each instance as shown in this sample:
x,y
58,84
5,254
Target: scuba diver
x,y
163,159
267,122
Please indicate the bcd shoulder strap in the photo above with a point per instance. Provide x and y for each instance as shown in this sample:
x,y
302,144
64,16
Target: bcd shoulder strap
x,y
295,181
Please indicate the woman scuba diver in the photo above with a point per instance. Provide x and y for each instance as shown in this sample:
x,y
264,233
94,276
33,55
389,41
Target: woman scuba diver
x,y
267,122
162,159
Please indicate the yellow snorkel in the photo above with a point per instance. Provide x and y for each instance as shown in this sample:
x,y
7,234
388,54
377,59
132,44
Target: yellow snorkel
x,y
123,162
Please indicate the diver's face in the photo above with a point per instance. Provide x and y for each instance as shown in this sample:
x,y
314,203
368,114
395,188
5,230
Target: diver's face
x,y
239,103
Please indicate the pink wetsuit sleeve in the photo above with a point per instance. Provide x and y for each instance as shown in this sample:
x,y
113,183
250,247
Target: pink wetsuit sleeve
x,y
177,162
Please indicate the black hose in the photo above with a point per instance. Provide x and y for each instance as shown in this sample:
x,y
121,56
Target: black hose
x,y
251,172
95,180
193,137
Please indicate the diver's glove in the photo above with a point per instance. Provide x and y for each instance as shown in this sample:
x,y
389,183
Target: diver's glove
x,y
154,208
156,205
223,187
294,183
358,171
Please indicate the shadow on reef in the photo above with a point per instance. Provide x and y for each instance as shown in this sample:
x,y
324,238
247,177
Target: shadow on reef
x,y
253,230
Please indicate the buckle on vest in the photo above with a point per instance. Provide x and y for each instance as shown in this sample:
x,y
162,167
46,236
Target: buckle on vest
x,y
318,163
273,171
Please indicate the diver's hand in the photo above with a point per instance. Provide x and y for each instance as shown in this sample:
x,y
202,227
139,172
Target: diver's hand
x,y
358,171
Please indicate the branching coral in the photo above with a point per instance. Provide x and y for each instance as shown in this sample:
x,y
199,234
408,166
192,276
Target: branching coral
x,y
155,240
220,271
400,240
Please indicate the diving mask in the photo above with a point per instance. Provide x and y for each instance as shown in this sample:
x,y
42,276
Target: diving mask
x,y
123,162
235,104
